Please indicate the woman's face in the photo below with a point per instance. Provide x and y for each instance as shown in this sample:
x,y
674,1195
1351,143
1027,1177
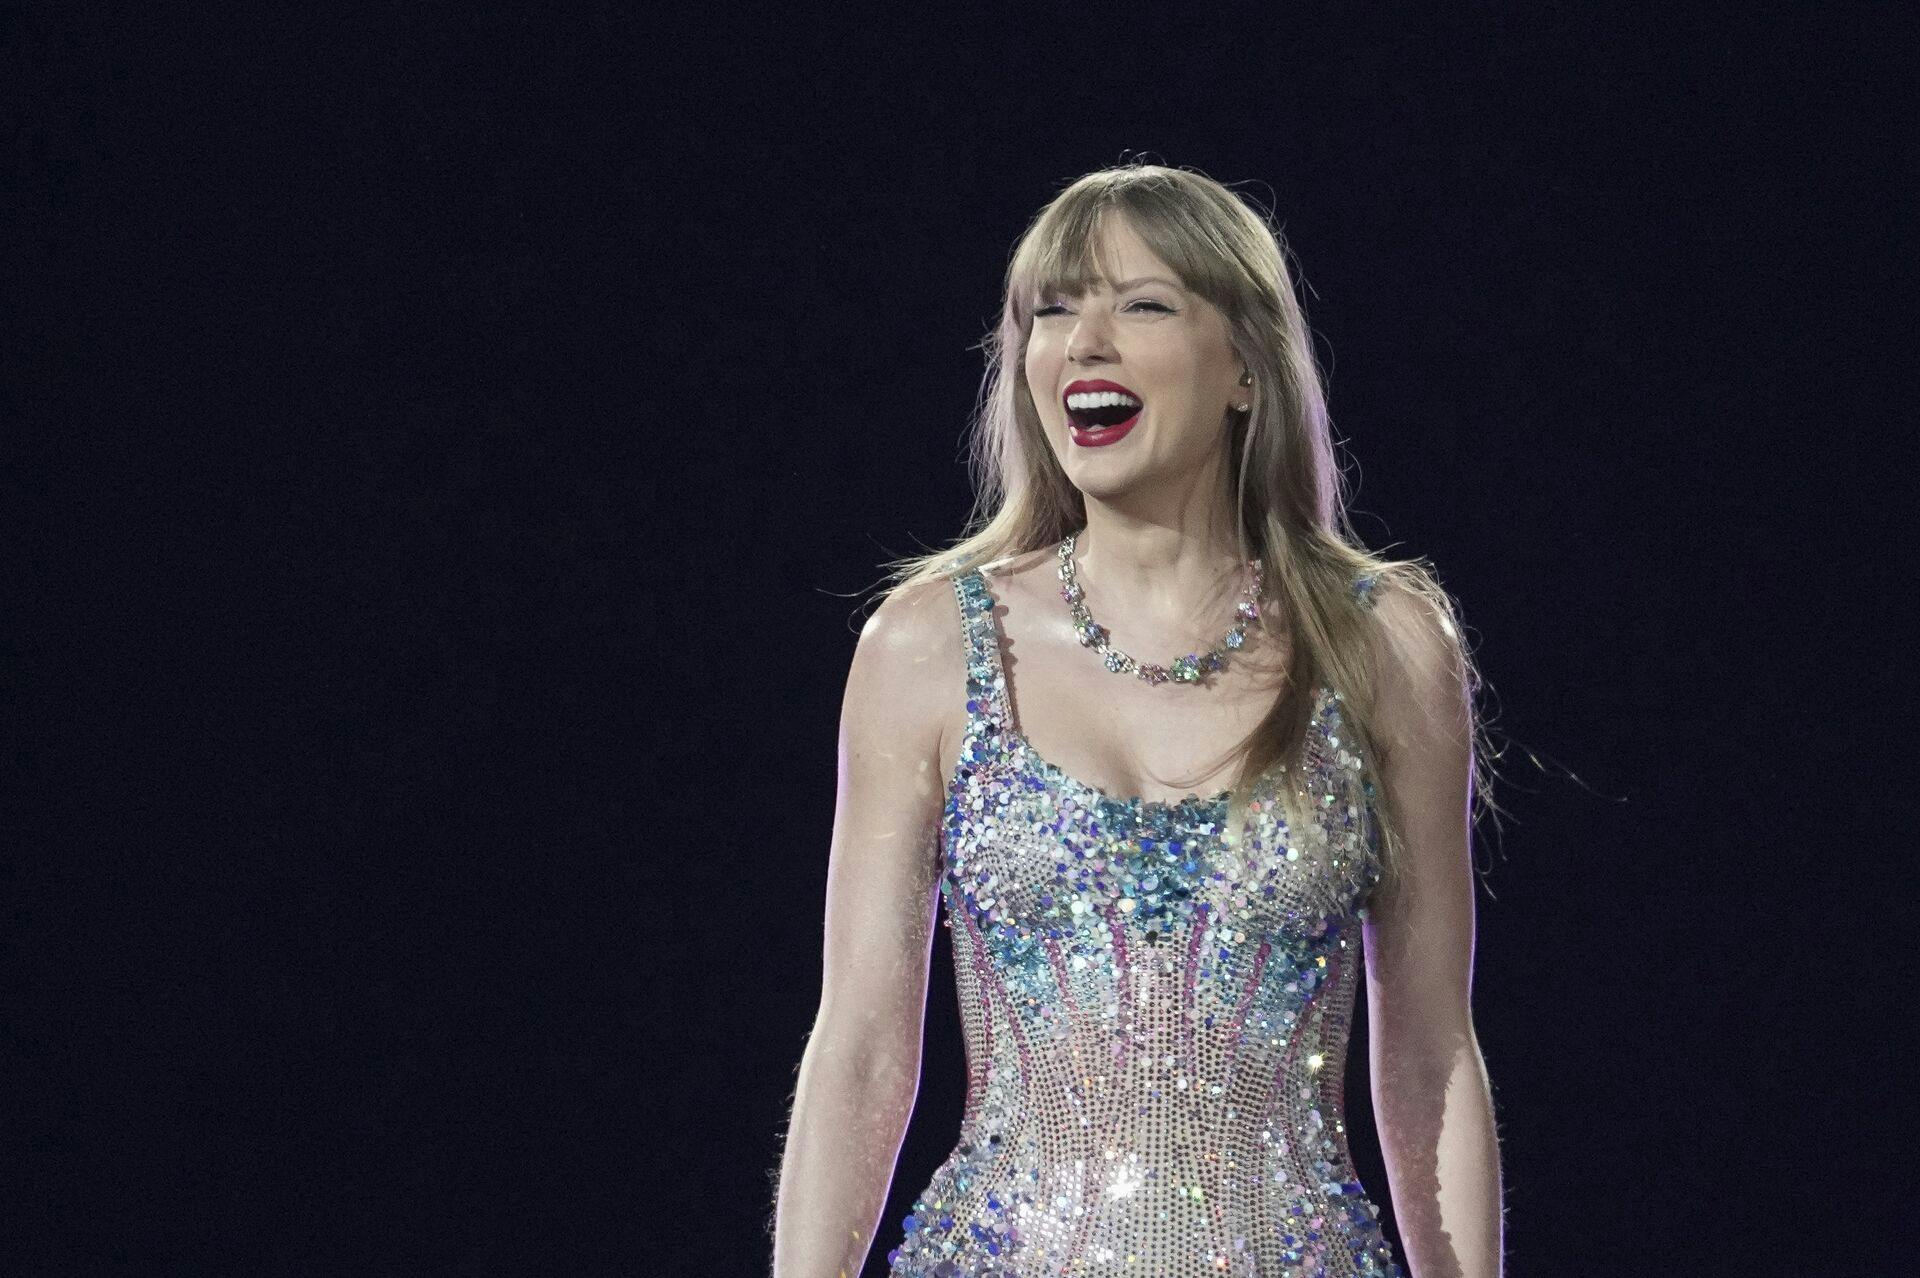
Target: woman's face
x,y
1163,348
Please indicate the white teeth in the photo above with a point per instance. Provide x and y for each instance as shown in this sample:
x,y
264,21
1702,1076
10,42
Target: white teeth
x,y
1099,399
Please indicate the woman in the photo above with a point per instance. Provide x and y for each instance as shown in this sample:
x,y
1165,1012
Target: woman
x,y
1156,986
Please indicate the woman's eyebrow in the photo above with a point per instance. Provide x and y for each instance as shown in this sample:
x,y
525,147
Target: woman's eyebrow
x,y
1124,285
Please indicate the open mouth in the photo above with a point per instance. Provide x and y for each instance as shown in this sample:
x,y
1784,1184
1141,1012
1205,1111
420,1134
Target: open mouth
x,y
1097,411
1101,410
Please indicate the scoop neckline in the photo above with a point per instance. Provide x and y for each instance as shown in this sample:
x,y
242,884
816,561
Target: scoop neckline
x,y
1193,801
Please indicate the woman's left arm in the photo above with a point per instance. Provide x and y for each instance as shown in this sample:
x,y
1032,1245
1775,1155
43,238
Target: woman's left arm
x,y
1433,1104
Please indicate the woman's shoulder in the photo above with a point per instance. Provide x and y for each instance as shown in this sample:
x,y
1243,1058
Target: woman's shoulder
x,y
910,654
1402,601
1417,633
918,615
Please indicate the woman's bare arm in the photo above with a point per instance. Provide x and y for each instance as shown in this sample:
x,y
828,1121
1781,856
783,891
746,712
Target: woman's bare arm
x,y
1432,1099
860,1072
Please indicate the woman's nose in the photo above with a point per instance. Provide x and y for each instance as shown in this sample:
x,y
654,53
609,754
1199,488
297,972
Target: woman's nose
x,y
1086,341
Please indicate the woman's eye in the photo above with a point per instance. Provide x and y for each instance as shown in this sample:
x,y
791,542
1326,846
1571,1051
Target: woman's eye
x,y
1055,308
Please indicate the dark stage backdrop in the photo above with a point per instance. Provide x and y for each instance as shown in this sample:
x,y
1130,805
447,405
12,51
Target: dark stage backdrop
x,y
448,455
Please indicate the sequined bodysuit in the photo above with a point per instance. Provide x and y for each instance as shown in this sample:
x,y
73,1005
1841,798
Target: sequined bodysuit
x,y
1156,1024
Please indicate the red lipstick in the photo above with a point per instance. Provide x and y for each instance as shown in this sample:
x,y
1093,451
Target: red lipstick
x,y
1087,434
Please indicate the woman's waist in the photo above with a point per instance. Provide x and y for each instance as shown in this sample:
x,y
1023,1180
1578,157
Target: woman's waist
x,y
1128,1142
1126,1191
1111,1078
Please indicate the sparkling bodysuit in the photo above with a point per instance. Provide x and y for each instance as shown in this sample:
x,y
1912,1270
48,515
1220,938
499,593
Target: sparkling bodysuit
x,y
1156,1024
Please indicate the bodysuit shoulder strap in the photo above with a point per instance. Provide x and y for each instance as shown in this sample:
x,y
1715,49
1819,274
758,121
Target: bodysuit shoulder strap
x,y
986,682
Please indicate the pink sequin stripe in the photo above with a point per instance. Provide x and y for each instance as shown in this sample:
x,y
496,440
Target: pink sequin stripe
x,y
988,987
1310,1013
1246,995
1057,962
1189,1061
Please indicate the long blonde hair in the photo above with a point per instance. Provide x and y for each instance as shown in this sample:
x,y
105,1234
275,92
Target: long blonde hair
x,y
1289,490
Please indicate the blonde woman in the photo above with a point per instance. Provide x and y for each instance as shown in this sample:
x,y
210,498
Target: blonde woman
x,y
1174,750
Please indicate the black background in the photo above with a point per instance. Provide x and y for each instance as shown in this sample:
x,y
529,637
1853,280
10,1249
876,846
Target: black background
x,y
449,453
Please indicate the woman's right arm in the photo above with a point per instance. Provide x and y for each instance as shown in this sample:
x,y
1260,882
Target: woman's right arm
x,y
860,1072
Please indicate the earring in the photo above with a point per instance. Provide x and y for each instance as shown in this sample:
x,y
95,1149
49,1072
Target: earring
x,y
1246,378
1245,408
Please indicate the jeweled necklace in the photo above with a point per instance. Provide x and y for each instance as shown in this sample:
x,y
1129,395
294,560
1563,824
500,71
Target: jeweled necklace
x,y
1187,669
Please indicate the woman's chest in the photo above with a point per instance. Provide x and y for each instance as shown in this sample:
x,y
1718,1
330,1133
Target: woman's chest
x,y
1123,737
1030,853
